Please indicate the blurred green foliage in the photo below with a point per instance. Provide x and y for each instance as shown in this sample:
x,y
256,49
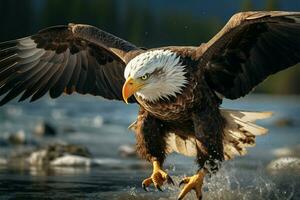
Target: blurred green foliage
x,y
144,23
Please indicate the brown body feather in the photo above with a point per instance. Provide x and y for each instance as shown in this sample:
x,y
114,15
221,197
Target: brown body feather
x,y
194,112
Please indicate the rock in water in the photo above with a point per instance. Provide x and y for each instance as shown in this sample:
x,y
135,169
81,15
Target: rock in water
x,y
127,151
285,122
3,161
46,155
71,160
17,138
37,158
44,129
57,151
293,151
286,164
66,155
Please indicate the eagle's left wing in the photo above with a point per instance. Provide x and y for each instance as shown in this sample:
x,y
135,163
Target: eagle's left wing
x,y
64,59
252,46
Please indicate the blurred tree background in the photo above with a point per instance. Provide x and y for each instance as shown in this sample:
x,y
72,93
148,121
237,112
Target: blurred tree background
x,y
148,23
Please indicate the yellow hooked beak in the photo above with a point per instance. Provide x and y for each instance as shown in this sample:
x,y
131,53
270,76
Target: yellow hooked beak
x,y
130,87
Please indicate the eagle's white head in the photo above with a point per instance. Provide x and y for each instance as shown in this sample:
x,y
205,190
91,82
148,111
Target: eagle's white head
x,y
154,75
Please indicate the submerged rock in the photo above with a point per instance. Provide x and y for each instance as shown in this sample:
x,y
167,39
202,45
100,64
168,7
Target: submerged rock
x,y
44,129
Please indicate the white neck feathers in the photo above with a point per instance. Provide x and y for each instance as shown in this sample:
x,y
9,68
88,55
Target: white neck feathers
x,y
167,74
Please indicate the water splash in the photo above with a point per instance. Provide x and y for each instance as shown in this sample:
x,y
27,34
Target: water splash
x,y
227,184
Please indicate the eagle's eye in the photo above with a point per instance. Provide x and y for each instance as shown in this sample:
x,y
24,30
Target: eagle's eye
x,y
145,77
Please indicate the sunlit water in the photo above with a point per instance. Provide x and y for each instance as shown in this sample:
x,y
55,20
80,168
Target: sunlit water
x,y
102,127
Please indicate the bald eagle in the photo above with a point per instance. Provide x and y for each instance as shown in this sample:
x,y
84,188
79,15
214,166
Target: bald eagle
x,y
179,90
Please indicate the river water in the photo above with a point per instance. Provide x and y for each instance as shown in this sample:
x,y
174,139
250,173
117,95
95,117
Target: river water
x,y
102,125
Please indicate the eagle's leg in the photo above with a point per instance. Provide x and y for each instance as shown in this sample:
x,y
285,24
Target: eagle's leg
x,y
192,183
151,145
158,177
209,126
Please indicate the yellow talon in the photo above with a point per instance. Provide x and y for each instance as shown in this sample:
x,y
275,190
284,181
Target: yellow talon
x,y
158,177
192,183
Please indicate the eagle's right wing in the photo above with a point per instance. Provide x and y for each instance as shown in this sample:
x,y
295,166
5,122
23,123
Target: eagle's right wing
x,y
64,59
250,47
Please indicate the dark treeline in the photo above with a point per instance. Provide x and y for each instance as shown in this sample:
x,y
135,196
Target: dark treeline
x,y
148,23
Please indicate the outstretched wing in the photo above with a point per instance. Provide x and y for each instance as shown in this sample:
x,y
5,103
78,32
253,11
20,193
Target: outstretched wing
x,y
64,59
252,46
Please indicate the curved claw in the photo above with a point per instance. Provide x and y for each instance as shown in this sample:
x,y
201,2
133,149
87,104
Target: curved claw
x,y
199,198
144,187
157,179
184,181
159,188
146,183
180,198
181,183
170,180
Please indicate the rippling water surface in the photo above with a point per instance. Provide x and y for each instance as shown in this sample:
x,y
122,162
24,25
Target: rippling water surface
x,y
102,127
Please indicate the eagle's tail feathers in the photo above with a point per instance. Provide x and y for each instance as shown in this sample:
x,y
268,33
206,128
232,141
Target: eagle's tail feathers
x,y
239,133
241,130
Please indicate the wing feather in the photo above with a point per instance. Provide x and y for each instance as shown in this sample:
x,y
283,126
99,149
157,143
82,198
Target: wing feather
x,y
64,59
75,76
252,46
